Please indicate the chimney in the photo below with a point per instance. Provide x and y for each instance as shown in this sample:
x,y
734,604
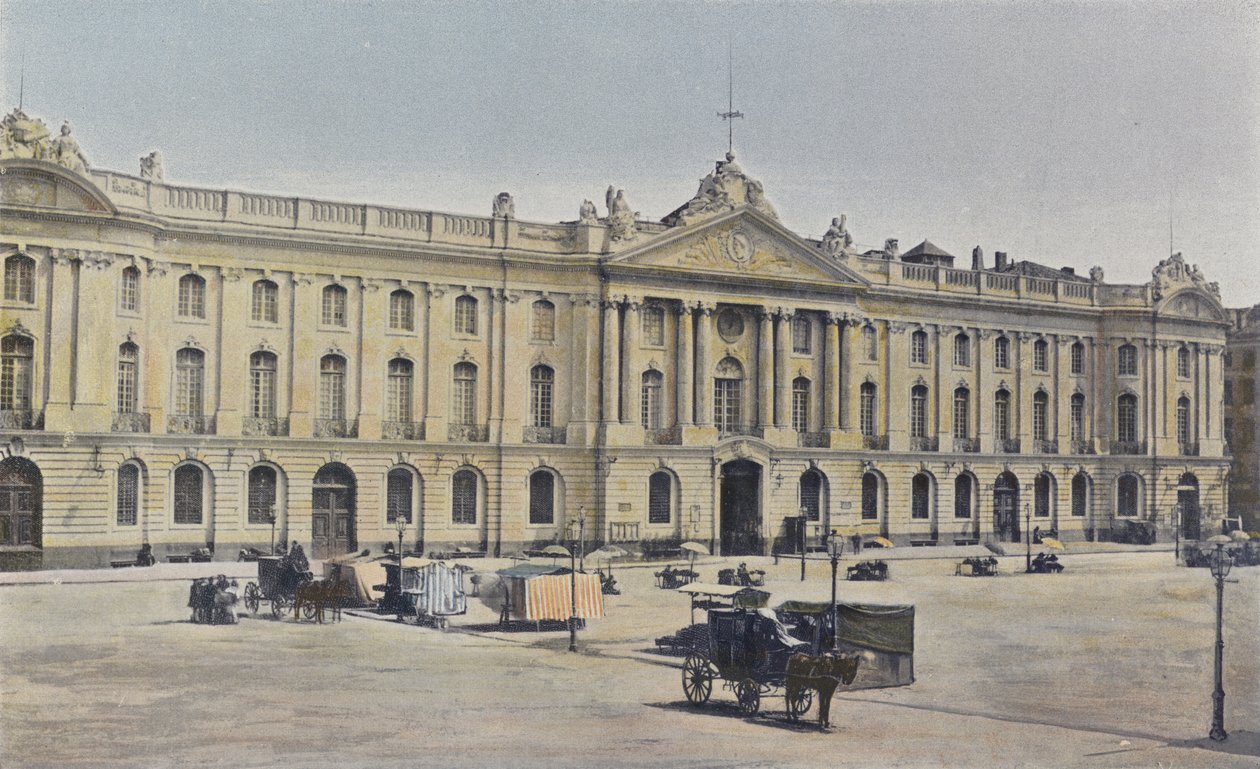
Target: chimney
x,y
1068,270
999,262
977,258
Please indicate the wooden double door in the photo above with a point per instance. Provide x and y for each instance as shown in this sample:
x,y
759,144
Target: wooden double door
x,y
332,512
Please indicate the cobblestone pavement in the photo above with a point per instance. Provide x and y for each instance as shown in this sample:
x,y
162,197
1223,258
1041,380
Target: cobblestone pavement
x,y
1106,665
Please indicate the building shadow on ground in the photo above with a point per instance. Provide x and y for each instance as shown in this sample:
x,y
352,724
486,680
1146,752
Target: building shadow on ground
x,y
1240,743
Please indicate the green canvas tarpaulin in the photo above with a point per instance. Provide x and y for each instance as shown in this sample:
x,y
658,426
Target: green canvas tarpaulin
x,y
882,628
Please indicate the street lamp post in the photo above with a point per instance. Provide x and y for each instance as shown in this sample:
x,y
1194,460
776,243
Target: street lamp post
x,y
400,523
271,518
573,587
835,546
801,536
582,538
1219,563
1028,538
1177,533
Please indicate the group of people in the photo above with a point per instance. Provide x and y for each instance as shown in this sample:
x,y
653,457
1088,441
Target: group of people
x,y
213,600
1046,564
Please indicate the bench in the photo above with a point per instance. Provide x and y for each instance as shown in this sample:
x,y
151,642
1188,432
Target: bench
x,y
922,543
966,542
122,564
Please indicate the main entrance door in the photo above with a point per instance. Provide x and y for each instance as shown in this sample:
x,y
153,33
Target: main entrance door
x,y
741,508
1188,499
1006,507
21,489
332,512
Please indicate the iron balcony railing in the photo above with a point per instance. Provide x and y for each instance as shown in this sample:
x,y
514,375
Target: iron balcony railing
x,y
875,442
191,425
543,435
336,428
1006,445
402,431
130,422
264,426
808,440
924,443
1128,447
468,433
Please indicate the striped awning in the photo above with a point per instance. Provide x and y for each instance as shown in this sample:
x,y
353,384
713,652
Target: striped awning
x,y
549,597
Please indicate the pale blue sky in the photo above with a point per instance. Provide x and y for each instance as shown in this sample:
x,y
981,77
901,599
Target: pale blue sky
x,y
1053,131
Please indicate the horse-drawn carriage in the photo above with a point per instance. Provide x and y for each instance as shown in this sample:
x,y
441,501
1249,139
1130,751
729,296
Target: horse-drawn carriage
x,y
279,578
754,655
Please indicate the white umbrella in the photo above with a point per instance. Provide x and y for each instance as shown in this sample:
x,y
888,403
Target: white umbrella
x,y
556,551
693,549
609,552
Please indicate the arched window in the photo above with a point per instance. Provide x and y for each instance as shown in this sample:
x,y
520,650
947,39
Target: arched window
x,y
920,496
1043,486
262,493
128,364
1041,356
398,391
1127,491
542,497
1080,495
190,379
1002,415
652,324
918,347
964,484
870,497
1078,358
333,309
800,334
464,396
543,324
128,507
1040,412
1127,418
962,413
650,400
262,385
332,387
402,311
1126,360
660,497
1183,362
541,383
187,499
918,411
398,494
728,390
800,404
962,350
264,306
870,342
466,315
1078,417
811,494
1001,353
192,297
1183,420
129,290
19,279
867,408
464,497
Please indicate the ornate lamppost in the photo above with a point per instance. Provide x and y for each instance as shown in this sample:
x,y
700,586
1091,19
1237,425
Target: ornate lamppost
x,y
801,538
835,547
271,518
400,523
1028,538
582,538
1219,562
1177,533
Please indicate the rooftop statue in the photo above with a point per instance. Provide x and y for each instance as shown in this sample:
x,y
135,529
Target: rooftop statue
x,y
24,137
587,213
504,207
66,151
837,241
620,217
727,188
1173,273
151,167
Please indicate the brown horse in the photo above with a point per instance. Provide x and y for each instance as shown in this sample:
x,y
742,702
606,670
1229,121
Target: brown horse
x,y
321,594
822,673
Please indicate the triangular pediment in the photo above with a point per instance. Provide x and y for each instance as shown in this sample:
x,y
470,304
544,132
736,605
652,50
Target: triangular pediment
x,y
743,244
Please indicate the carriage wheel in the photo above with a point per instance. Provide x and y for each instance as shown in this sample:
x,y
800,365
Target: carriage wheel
x,y
309,610
749,695
252,595
279,605
799,704
697,679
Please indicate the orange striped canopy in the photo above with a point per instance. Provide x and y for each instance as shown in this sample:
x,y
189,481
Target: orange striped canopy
x,y
548,597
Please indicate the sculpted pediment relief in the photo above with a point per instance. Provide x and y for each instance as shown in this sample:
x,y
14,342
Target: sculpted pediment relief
x,y
46,185
1193,304
743,243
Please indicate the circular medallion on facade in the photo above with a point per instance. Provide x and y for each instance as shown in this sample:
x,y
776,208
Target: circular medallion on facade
x,y
730,325
739,247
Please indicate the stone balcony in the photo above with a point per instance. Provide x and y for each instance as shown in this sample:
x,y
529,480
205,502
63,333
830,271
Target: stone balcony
x,y
1083,447
1189,449
21,419
966,445
335,428
1128,447
1045,447
130,422
668,436
190,425
808,440
1006,445
925,443
875,442
402,431
467,433
543,435
264,426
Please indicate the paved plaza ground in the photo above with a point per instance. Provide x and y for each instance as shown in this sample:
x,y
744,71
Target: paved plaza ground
x,y
1106,665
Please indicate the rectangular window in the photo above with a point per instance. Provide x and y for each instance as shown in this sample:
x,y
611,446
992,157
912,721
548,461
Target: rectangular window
x,y
650,405
660,492
402,311
541,498
540,402
262,385
265,305
398,496
399,396
870,340
800,334
962,415
1078,419
543,328
653,326
918,413
918,347
262,494
129,290
126,386
1001,353
334,309
1002,417
867,411
1126,364
726,404
1040,355
466,315
1078,358
962,351
1039,419
800,408
128,494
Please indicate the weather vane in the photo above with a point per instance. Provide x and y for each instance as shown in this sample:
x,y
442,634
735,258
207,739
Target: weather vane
x,y
730,114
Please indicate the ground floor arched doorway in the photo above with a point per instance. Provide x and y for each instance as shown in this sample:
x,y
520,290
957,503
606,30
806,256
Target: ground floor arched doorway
x,y
1006,507
332,511
741,508
1188,501
21,502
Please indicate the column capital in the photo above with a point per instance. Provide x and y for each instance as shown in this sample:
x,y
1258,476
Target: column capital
x,y
784,313
681,308
705,308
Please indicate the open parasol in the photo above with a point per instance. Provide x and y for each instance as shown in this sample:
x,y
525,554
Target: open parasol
x,y
608,553
882,541
556,551
1052,543
693,549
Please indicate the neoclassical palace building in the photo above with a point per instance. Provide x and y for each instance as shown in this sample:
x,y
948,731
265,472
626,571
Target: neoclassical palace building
x,y
184,366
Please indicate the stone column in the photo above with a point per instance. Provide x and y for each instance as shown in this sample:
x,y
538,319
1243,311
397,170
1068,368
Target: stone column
x,y
609,364
782,387
852,352
437,367
830,390
686,364
373,357
704,366
765,370
629,372
305,354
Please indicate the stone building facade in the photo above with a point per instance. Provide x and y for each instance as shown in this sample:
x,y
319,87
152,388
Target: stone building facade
x,y
1242,427
182,365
